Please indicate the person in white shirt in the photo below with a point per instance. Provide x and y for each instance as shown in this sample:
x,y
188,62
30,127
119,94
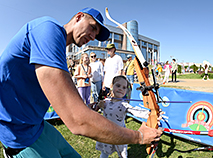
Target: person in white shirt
x,y
174,69
97,76
113,67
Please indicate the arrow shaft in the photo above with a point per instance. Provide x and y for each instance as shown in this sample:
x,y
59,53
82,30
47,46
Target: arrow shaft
x,y
209,133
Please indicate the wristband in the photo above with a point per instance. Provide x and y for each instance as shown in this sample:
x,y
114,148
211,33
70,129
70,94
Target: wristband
x,y
141,136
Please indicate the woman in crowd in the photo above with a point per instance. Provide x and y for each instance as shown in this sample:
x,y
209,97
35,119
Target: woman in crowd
x,y
83,75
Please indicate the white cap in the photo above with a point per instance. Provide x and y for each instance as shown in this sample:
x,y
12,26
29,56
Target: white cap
x,y
128,56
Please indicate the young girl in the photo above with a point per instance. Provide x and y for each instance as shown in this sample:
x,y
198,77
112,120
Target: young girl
x,y
115,109
167,69
83,75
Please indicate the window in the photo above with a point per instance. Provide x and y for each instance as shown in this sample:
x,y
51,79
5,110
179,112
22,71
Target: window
x,y
143,43
117,37
150,45
144,53
93,43
118,45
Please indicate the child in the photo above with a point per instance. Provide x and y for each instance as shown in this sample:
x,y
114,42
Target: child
x,y
159,68
83,75
115,109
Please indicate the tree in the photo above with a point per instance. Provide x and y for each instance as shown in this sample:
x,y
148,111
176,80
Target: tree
x,y
194,67
179,69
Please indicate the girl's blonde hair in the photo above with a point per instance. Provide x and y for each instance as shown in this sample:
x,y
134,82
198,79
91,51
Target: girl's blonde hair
x,y
82,57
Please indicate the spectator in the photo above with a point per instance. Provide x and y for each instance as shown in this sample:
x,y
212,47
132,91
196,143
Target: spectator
x,y
97,76
174,69
167,69
71,65
129,69
159,68
206,72
83,75
113,67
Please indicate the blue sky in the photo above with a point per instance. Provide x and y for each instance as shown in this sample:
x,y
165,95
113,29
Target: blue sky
x,y
184,28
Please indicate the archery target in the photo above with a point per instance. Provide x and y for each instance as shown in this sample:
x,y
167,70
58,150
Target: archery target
x,y
165,99
201,111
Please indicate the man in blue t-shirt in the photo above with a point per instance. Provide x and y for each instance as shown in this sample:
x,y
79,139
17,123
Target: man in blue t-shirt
x,y
34,74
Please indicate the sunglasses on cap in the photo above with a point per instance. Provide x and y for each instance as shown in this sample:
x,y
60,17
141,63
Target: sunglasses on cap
x,y
94,56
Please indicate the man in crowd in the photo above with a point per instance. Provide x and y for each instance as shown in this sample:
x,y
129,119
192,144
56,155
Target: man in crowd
x,y
113,66
34,74
129,69
174,70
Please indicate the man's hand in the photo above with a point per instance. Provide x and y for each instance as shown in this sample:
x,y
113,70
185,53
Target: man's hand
x,y
150,135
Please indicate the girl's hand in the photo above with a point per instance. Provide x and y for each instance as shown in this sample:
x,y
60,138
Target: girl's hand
x,y
94,106
89,76
101,104
84,76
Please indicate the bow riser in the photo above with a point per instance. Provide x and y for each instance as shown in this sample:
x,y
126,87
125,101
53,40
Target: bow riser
x,y
149,101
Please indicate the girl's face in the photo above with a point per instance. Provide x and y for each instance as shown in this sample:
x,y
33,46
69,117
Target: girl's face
x,y
120,88
85,59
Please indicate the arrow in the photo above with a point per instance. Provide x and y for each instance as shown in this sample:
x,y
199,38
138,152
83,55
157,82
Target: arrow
x,y
209,133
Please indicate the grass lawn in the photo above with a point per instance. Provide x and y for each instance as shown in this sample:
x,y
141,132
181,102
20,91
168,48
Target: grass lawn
x,y
192,76
167,144
189,76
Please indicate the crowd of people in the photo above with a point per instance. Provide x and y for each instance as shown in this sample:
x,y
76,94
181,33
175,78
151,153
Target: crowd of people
x,y
168,69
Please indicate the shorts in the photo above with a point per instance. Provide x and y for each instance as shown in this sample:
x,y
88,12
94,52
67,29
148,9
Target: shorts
x,y
50,144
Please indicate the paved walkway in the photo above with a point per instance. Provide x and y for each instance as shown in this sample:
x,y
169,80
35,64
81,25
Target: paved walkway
x,y
192,84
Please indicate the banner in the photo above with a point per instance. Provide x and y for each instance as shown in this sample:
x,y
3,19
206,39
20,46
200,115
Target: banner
x,y
196,116
50,114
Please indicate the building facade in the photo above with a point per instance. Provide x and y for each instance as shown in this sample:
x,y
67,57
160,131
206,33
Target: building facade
x,y
149,47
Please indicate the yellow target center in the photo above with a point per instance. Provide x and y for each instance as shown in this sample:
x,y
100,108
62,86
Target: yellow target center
x,y
201,116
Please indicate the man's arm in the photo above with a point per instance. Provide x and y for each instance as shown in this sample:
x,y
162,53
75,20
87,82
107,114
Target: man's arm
x,y
65,99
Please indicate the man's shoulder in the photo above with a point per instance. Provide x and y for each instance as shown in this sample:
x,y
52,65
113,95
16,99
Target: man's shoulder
x,y
45,20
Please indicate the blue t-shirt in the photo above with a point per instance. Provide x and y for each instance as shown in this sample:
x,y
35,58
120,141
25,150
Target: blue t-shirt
x,y
22,101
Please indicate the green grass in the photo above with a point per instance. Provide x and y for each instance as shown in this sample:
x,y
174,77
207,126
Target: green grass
x,y
192,76
86,146
189,76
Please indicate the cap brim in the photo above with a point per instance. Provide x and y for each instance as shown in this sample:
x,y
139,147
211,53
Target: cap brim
x,y
104,32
